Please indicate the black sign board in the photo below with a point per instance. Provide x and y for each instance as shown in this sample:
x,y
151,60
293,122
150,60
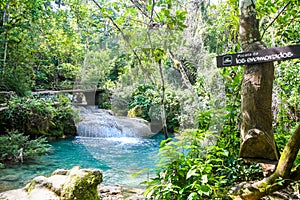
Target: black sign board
x,y
261,56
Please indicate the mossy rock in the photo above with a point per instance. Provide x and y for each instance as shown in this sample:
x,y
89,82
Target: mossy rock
x,y
40,181
81,184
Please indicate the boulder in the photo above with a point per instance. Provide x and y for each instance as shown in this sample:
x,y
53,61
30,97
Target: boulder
x,y
80,184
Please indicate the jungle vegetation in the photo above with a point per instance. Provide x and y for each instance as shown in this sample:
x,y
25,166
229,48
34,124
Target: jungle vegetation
x,y
156,60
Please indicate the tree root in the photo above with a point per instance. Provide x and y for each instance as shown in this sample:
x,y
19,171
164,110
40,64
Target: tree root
x,y
280,179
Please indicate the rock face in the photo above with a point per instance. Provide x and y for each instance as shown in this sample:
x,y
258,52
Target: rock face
x,y
80,184
103,123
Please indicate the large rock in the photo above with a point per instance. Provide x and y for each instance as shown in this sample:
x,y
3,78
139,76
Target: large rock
x,y
80,184
103,123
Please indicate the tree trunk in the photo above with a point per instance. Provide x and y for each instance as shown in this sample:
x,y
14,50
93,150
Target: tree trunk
x,y
162,102
281,178
257,139
5,20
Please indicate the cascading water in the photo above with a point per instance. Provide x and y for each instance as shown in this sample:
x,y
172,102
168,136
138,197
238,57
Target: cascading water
x,y
124,144
102,124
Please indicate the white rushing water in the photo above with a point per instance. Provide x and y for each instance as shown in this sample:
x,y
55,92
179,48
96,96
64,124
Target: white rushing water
x,y
103,124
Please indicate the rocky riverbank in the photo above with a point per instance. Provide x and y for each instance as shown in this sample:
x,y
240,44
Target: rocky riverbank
x,y
80,184
120,193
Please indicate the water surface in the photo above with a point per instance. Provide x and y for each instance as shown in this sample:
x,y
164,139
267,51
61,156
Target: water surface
x,y
118,158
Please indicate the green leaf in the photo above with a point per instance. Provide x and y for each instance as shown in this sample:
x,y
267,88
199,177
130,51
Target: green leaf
x,y
191,172
193,196
205,189
204,179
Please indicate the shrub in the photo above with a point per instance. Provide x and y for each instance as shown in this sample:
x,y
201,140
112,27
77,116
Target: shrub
x,y
15,147
189,168
39,116
199,165
61,76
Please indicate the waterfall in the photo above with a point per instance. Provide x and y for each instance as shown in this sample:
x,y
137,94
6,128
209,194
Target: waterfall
x,y
103,124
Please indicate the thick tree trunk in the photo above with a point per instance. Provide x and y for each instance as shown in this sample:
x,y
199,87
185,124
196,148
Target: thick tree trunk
x,y
281,178
257,139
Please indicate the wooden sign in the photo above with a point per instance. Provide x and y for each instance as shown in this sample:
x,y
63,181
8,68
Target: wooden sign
x,y
261,56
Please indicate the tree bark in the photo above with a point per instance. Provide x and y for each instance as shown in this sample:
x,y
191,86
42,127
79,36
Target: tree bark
x,y
5,21
281,178
257,139
162,102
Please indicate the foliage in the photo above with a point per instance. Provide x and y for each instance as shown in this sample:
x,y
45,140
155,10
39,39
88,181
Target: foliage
x,y
196,166
220,33
104,99
147,98
16,147
18,80
56,78
49,46
35,37
118,66
187,169
202,165
37,116
286,102
203,118
279,21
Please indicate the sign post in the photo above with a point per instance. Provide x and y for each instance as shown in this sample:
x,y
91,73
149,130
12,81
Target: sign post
x,y
261,56
256,144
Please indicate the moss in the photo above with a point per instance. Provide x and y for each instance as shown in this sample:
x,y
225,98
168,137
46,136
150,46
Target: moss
x,y
30,186
82,184
37,182
135,112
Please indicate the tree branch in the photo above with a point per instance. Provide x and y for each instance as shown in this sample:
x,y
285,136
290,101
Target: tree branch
x,y
138,6
289,155
295,174
152,11
275,18
125,39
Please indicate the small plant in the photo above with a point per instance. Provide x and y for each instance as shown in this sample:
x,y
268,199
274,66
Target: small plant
x,y
15,147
